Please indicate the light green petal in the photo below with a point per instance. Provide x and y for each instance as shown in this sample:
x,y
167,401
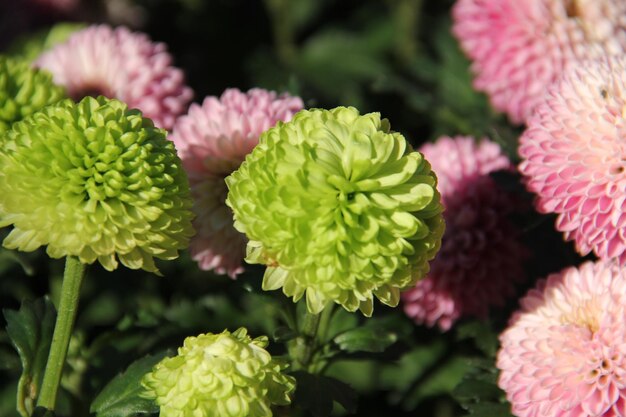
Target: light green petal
x,y
94,180
24,91
338,208
226,374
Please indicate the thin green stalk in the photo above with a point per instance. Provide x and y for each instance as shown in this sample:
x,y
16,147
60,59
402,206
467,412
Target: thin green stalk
x,y
302,348
66,315
282,27
325,317
406,16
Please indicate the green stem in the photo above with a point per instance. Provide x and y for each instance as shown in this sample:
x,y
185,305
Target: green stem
x,y
406,16
325,317
302,348
66,315
282,27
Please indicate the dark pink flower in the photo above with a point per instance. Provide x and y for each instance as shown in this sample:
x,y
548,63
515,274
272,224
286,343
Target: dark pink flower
x,y
480,260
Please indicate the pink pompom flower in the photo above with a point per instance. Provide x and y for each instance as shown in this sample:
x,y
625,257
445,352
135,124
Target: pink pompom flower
x,y
480,260
564,352
212,141
118,63
574,157
519,47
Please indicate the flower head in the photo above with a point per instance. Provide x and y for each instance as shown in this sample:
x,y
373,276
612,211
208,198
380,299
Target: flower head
x,y
216,375
518,48
121,64
481,259
23,91
574,157
338,207
96,181
212,140
563,353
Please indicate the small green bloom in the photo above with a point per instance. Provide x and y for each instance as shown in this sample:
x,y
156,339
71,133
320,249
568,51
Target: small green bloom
x,y
29,46
23,91
338,207
219,375
94,180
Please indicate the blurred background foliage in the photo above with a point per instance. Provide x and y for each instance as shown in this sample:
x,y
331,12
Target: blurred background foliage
x,y
396,57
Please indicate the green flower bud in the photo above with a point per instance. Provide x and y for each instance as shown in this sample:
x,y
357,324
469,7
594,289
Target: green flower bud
x,y
94,180
219,375
23,91
339,208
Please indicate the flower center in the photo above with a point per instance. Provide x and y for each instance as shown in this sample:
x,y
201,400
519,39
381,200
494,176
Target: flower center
x,y
573,9
91,89
591,17
586,314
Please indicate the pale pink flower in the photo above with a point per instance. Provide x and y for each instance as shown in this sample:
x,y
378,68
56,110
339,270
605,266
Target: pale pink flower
x,y
121,64
563,354
480,260
574,157
212,141
519,47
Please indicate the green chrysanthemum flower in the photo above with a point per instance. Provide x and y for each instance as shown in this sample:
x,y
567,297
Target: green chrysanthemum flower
x,y
219,375
94,180
339,208
23,91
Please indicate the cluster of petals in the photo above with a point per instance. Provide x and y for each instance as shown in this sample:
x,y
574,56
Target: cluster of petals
x,y
339,208
212,140
563,354
216,375
481,256
24,91
574,157
518,48
94,180
118,63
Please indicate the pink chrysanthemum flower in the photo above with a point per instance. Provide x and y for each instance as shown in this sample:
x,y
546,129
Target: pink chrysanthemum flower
x,y
574,157
480,258
519,47
121,64
212,141
564,352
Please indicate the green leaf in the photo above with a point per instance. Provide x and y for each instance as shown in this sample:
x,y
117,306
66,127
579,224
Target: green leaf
x,y
474,389
478,391
374,336
483,336
442,380
284,334
365,339
316,394
120,397
340,322
30,330
399,376
491,410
